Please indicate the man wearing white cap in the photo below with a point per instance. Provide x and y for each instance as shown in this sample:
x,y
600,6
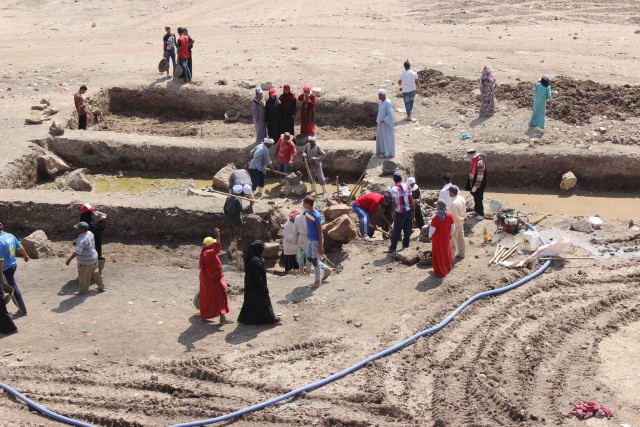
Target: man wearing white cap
x,y
477,181
315,154
417,198
260,161
234,212
459,211
385,131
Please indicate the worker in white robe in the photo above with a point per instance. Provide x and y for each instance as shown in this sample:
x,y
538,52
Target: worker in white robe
x,y
385,131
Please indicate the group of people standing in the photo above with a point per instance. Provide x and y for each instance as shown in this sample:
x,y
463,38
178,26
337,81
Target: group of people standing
x,y
183,44
277,114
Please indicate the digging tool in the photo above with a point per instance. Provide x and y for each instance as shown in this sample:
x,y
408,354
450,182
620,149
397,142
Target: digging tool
x,y
495,254
327,261
539,220
313,181
279,173
508,253
233,195
355,187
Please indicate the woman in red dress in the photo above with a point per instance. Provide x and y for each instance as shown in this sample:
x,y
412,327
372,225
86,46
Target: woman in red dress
x,y
440,232
213,286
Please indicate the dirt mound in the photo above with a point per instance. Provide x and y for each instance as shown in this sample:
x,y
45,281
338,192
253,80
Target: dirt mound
x,y
576,102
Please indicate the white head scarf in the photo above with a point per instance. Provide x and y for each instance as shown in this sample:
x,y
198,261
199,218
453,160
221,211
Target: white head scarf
x,y
237,189
246,189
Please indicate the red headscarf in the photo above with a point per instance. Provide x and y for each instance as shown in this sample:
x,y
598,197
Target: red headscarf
x,y
287,99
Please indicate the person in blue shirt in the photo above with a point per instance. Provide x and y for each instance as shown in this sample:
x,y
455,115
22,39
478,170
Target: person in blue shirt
x,y
8,247
260,161
314,240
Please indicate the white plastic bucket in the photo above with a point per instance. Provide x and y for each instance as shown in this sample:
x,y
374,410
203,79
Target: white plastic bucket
x,y
531,241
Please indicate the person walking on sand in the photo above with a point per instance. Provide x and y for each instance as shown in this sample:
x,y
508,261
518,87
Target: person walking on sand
x,y
314,153
315,241
369,207
441,229
542,93
477,181
96,221
272,115
286,151
300,236
288,109
417,200
459,211
81,107
169,44
9,245
258,110
290,243
256,308
260,161
234,214
487,92
308,103
385,130
183,54
409,83
87,258
213,286
403,213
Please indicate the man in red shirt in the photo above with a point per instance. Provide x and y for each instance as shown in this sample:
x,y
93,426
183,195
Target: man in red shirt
x,y
368,207
285,150
183,55
81,107
308,102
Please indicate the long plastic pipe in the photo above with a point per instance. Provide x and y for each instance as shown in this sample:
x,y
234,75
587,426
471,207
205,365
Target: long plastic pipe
x,y
316,384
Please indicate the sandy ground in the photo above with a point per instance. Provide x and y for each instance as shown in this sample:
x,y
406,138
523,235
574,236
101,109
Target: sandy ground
x,y
138,355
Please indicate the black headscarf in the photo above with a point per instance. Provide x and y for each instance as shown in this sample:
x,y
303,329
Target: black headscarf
x,y
255,249
545,81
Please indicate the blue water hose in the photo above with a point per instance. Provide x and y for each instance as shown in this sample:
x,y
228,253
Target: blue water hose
x,y
310,387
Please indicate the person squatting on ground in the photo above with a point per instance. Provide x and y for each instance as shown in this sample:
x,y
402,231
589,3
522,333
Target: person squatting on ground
x,y
308,103
169,44
315,241
81,107
368,208
9,245
96,221
256,308
183,54
285,151
487,92
290,243
385,127
273,115
417,199
288,109
542,94
87,258
260,161
441,230
459,211
403,213
234,213
258,111
314,153
300,235
477,181
213,286
410,83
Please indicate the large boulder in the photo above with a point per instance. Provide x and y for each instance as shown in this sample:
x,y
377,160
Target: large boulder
x,y
271,250
78,181
335,211
569,181
51,165
34,119
407,257
342,229
294,190
37,244
294,178
55,129
221,178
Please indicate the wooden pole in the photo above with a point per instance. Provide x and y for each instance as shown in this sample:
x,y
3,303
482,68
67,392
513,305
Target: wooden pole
x,y
539,220
233,195
313,181
508,254
355,188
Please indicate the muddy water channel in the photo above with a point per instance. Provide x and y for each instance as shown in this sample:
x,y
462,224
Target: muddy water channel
x,y
608,206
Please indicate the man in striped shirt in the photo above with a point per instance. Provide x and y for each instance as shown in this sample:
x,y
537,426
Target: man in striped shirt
x,y
87,257
403,213
477,181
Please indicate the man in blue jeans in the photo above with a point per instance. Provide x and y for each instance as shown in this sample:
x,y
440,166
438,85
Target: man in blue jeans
x,y
8,247
183,54
403,213
315,241
409,82
169,48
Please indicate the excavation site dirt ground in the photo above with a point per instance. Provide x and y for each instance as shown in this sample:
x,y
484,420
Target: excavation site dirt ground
x,y
138,354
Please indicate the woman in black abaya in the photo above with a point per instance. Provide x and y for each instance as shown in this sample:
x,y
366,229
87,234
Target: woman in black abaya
x,y
256,309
